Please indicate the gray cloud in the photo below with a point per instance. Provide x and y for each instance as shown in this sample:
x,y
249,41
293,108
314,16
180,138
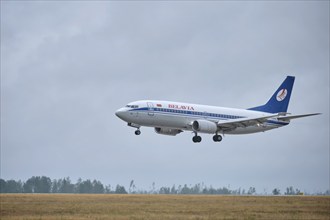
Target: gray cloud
x,y
67,66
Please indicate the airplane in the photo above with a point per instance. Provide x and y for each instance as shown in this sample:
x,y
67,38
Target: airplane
x,y
172,118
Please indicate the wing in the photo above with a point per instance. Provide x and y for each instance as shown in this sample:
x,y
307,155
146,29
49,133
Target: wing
x,y
245,122
288,118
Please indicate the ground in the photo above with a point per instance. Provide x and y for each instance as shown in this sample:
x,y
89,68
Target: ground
x,y
78,206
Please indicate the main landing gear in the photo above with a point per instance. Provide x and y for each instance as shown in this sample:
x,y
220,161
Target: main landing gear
x,y
197,139
137,132
217,138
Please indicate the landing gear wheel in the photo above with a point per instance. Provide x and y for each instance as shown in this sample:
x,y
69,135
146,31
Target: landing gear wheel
x,y
197,139
217,138
137,132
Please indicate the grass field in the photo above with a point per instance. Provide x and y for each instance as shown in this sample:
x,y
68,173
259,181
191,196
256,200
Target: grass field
x,y
75,206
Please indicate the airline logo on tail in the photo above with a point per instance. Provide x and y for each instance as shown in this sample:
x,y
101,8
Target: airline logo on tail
x,y
281,95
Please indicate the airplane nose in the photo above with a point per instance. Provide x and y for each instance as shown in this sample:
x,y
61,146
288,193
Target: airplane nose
x,y
120,113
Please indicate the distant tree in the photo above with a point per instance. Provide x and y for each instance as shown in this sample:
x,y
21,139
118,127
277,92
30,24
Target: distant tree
x,y
153,190
290,191
84,186
65,185
120,190
29,185
173,190
224,191
3,184
236,192
251,191
164,190
78,187
276,191
212,191
14,186
185,189
98,187
44,184
298,192
87,186
205,191
55,186
11,186
108,189
131,187
197,189
209,190
37,184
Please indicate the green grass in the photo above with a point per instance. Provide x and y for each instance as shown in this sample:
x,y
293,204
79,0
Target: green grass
x,y
77,206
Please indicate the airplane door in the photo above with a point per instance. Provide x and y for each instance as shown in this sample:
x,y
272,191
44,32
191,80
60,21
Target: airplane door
x,y
150,108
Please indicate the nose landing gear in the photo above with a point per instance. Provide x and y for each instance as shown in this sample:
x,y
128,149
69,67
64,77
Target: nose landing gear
x,y
137,132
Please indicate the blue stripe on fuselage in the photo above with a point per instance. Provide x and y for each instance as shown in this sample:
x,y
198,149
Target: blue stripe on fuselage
x,y
187,113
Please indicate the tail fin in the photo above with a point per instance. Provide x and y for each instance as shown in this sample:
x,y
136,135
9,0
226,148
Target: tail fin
x,y
279,102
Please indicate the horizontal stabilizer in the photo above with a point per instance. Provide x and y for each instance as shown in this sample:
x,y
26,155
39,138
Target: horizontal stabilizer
x,y
288,118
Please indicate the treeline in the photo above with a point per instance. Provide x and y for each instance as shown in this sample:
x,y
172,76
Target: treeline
x,y
43,184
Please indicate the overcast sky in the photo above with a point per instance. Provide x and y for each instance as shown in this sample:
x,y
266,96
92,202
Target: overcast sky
x,y
67,66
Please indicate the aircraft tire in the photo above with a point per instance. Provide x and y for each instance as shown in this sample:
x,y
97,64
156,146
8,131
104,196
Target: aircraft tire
x,y
137,132
197,139
217,138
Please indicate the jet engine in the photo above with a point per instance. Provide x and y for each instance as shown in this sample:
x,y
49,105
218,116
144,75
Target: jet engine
x,y
204,126
167,131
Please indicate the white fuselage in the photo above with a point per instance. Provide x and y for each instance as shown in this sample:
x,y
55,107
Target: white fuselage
x,y
177,115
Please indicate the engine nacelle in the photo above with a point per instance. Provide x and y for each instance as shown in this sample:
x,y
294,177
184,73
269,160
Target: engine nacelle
x,y
167,131
204,126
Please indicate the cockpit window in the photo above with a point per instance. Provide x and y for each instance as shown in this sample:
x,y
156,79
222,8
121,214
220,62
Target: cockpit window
x,y
132,106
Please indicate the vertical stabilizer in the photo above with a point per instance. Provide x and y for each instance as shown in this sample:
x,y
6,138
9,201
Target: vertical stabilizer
x,y
279,102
